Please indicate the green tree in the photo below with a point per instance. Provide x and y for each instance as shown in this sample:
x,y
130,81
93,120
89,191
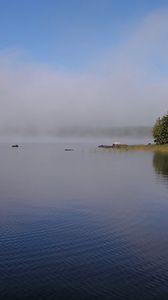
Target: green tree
x,y
160,130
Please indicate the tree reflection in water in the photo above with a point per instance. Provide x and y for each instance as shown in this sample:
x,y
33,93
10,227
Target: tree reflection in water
x,y
160,164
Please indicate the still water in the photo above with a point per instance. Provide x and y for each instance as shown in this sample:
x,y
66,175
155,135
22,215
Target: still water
x,y
86,224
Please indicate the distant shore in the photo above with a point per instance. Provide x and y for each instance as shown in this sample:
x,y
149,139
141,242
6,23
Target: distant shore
x,y
141,147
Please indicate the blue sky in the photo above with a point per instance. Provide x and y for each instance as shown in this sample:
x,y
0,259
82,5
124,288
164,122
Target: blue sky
x,y
83,63
69,33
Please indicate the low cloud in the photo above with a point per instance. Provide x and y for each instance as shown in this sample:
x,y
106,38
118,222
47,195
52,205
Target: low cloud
x,y
129,87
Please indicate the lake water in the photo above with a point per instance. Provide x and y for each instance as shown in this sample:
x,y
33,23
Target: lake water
x,y
86,224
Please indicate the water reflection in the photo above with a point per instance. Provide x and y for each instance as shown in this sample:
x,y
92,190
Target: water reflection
x,y
160,164
82,225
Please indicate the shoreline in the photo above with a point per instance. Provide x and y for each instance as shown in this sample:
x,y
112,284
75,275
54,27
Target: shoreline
x,y
140,147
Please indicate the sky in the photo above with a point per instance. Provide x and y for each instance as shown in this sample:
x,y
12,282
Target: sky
x,y
96,63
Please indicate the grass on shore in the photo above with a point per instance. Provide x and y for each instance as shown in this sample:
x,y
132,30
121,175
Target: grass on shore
x,y
141,147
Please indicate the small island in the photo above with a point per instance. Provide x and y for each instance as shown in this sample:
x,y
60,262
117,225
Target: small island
x,y
141,147
160,135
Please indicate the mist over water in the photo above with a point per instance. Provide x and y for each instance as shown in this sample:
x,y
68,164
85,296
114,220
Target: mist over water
x,y
88,224
126,85
93,135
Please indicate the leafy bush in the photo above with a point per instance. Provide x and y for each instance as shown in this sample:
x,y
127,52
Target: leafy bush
x,y
160,130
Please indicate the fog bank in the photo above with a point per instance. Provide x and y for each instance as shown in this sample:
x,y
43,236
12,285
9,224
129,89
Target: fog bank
x,y
129,87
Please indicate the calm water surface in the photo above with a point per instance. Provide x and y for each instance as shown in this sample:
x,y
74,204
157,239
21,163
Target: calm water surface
x,y
87,224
